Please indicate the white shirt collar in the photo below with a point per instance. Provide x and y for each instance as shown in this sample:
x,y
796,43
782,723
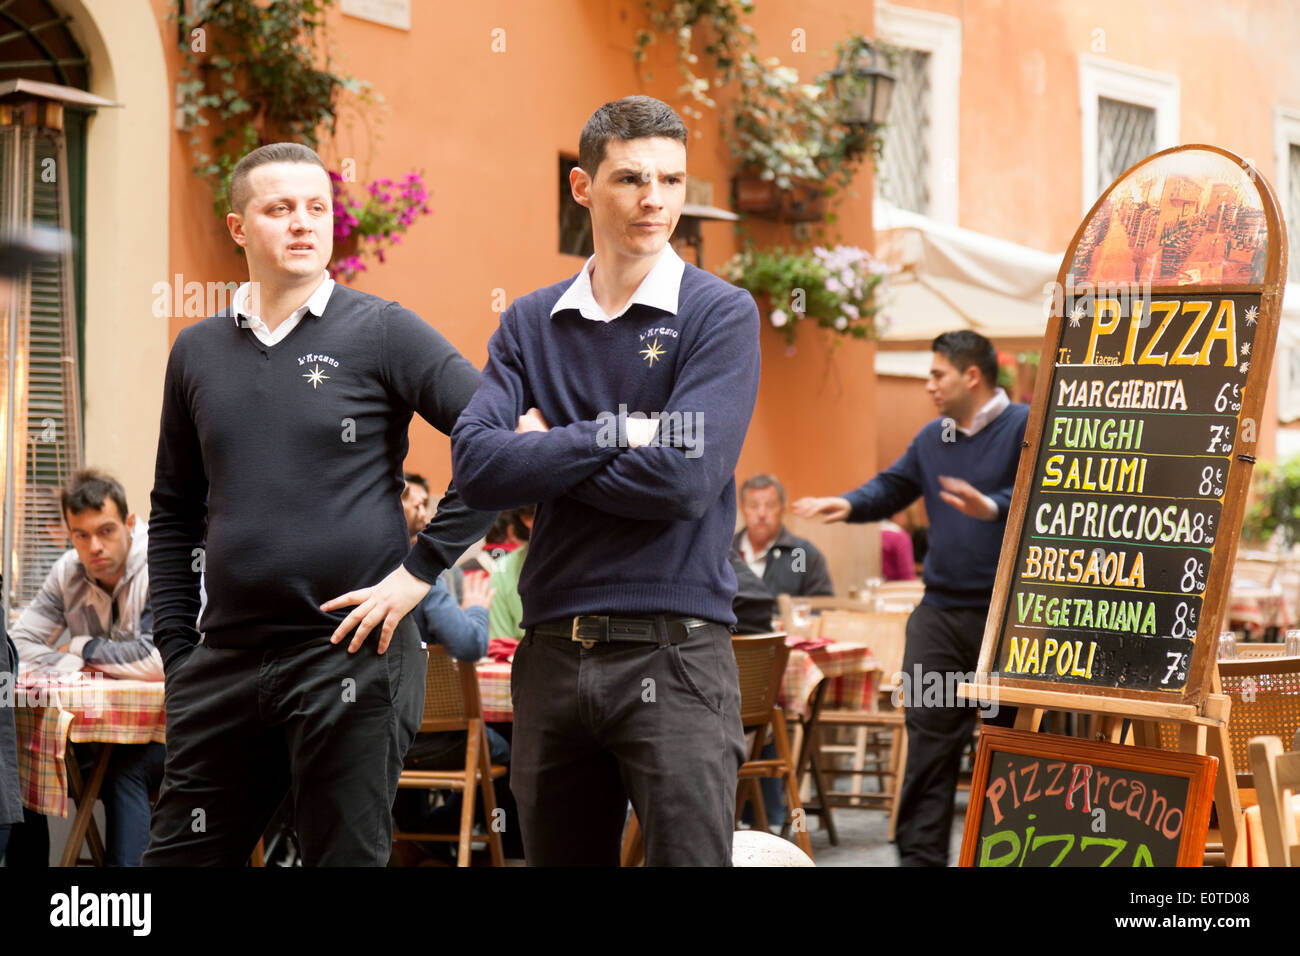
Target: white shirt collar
x,y
315,304
658,289
749,553
991,410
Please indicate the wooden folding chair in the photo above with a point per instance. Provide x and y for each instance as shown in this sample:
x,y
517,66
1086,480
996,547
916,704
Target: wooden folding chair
x,y
1277,780
880,744
760,663
1265,694
451,702
1252,649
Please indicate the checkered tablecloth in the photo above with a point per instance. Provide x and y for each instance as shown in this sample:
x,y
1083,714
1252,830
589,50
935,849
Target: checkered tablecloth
x,y
849,667
494,689
89,707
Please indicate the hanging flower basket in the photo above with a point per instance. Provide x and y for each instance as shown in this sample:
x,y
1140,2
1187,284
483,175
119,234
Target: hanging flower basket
x,y
802,202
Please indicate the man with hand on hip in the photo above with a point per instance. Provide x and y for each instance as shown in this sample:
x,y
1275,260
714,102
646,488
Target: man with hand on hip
x,y
279,478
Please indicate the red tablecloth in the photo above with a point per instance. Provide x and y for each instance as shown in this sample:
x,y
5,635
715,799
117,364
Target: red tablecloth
x,y
85,707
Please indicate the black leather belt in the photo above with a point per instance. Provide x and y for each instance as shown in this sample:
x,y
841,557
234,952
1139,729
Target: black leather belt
x,y
591,629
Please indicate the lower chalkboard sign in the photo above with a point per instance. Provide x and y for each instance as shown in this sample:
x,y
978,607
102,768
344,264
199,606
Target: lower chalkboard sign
x,y
1039,800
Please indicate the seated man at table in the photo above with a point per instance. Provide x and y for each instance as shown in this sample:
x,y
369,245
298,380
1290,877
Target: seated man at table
x,y
93,613
787,564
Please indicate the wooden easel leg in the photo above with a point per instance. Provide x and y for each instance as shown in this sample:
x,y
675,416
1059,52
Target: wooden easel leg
x,y
1225,782
1029,718
1109,729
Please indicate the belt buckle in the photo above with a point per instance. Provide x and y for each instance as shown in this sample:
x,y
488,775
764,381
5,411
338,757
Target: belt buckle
x,y
589,644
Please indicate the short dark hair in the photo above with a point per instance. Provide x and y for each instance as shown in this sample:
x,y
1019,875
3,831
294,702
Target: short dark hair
x,y
411,478
511,519
758,483
270,153
88,490
965,348
632,117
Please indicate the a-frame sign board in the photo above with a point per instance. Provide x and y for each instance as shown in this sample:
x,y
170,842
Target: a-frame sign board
x,y
1138,455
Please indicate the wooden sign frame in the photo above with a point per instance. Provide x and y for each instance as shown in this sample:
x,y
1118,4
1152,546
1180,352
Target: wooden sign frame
x,y
1199,771
1237,484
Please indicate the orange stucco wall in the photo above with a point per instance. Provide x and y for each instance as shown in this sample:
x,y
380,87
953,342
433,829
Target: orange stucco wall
x,y
1020,143
485,128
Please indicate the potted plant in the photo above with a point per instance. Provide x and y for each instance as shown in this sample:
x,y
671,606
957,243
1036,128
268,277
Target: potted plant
x,y
841,288
1276,510
372,225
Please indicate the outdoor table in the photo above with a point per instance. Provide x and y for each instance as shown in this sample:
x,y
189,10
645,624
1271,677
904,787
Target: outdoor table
x,y
1259,607
836,675
50,712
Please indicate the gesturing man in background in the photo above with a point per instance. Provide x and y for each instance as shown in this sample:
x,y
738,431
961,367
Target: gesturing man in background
x,y
964,464
625,682
279,475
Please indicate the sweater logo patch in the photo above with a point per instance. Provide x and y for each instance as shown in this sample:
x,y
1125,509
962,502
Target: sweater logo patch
x,y
316,374
654,349
652,352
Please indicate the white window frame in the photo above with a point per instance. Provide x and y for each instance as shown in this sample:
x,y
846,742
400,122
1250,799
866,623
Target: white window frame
x,y
1286,133
1100,76
939,36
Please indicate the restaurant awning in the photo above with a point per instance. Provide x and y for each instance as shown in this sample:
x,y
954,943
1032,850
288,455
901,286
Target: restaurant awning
x,y
952,278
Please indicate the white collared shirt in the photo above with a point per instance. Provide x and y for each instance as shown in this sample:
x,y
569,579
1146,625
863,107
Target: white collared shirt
x,y
991,410
659,289
315,305
757,561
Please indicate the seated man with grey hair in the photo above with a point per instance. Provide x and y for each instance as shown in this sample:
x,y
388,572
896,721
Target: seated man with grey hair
x,y
786,564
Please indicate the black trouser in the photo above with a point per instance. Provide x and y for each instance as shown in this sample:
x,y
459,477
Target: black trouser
x,y
941,643
246,726
656,723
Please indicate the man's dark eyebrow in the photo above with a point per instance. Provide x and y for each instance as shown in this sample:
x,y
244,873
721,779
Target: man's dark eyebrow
x,y
290,200
619,173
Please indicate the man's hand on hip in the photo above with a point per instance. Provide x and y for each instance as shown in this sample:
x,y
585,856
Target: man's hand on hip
x,y
827,509
963,496
386,603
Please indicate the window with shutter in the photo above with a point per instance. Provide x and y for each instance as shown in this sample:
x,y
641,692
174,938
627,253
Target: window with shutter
x,y
1126,133
904,178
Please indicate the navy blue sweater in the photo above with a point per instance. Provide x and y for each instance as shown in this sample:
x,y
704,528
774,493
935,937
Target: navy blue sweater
x,y
618,529
284,464
961,562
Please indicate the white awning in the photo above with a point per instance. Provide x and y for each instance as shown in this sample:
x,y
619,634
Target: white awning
x,y
953,278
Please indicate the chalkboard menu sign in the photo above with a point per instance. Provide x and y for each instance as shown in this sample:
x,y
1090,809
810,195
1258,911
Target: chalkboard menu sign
x,y
1039,800
1141,438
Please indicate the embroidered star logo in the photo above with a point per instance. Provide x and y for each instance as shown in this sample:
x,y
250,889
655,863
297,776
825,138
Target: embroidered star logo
x,y
315,376
652,351
1251,315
